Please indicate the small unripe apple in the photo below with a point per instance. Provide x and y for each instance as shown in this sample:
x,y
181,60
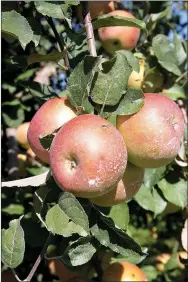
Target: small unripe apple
x,y
124,271
136,78
153,134
126,188
21,135
115,38
153,82
50,116
88,156
96,8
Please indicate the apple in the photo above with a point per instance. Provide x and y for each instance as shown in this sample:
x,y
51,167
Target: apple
x,y
49,117
126,188
153,134
21,135
115,38
58,268
163,258
88,156
96,8
124,271
136,78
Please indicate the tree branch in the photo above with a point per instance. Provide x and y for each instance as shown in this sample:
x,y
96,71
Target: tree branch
x,y
33,181
12,150
89,29
60,41
39,259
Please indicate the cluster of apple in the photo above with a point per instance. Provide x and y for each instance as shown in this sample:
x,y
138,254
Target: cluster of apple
x,y
92,159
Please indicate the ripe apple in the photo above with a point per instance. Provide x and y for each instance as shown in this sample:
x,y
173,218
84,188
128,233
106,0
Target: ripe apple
x,y
124,271
50,116
153,135
136,78
21,135
88,156
115,38
96,8
126,188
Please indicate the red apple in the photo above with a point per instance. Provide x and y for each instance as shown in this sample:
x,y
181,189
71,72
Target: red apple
x,y
153,135
50,116
126,188
115,38
88,156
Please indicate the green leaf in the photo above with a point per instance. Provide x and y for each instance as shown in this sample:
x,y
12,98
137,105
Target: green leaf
x,y
175,193
141,236
39,201
25,75
58,223
14,115
53,56
13,209
114,238
49,9
36,28
150,199
129,104
13,244
150,272
172,263
120,215
110,83
158,16
46,141
41,92
175,92
132,60
10,88
153,175
74,210
78,252
180,52
108,20
15,24
79,82
167,54
81,252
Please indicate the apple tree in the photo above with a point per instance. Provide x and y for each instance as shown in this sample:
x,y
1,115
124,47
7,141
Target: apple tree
x,y
69,51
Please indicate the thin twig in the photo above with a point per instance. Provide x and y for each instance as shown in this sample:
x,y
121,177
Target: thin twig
x,y
15,275
89,29
60,41
39,259
181,76
12,150
33,181
181,105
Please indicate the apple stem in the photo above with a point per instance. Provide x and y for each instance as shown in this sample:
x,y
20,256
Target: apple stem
x,y
89,29
60,42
